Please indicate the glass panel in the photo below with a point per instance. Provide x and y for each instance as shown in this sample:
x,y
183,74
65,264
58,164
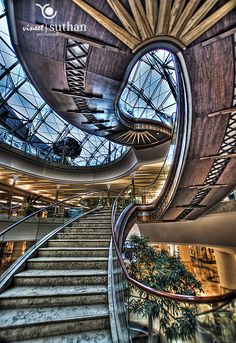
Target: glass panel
x,y
37,225
151,88
33,119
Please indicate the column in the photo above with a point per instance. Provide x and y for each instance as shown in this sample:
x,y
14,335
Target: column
x,y
56,200
108,195
226,265
9,201
144,199
133,185
184,255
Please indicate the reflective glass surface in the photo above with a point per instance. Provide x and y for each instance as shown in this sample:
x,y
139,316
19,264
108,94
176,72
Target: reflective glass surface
x,y
29,124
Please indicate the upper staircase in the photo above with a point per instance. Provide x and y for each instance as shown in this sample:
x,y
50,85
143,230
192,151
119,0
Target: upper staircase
x,y
62,294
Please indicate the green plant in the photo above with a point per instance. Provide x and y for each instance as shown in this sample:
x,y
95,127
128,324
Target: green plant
x,y
163,272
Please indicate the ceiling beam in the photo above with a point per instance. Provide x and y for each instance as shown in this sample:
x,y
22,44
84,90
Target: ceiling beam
x,y
151,12
199,15
82,96
191,206
176,10
184,17
207,186
141,19
124,17
163,17
115,29
218,157
208,22
220,36
78,37
225,111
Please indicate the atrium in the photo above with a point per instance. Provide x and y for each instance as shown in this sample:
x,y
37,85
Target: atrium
x,y
118,171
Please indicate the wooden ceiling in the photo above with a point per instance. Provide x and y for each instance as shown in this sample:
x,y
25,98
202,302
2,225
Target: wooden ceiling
x,y
182,20
204,29
145,175
115,30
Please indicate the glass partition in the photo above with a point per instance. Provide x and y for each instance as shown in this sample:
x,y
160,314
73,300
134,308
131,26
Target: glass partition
x,y
21,235
204,323
118,302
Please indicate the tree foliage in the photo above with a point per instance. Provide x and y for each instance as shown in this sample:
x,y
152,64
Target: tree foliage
x,y
166,273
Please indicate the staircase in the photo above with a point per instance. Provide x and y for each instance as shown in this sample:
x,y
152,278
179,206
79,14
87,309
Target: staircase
x,y
62,294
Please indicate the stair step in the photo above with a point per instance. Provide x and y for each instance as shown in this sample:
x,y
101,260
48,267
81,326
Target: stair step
x,y
95,336
73,251
94,220
98,215
28,323
97,226
61,277
29,296
93,230
70,242
84,236
67,263
96,223
61,295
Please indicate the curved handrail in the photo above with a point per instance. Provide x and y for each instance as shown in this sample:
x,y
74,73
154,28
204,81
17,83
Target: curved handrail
x,y
6,277
163,294
40,210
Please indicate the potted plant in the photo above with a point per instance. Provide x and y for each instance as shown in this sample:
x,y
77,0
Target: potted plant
x,y
159,270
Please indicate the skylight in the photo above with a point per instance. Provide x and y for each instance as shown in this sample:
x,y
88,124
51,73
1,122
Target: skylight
x,y
29,124
150,91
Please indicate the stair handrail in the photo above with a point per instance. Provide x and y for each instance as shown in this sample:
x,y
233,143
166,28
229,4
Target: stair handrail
x,y
9,228
195,299
6,277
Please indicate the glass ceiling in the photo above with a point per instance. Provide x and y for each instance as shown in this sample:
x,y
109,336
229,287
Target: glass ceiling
x,y
29,124
150,91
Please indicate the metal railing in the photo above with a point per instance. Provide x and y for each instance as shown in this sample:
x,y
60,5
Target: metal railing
x,y
20,263
26,232
118,233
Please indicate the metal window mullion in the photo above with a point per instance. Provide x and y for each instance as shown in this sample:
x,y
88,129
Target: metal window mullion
x,y
42,121
7,71
15,89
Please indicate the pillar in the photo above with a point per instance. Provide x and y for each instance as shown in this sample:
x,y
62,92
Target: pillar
x,y
226,265
9,201
184,255
133,186
144,199
108,194
56,200
17,251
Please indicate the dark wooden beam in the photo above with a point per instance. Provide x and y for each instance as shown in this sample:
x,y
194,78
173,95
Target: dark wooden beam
x,y
218,157
225,111
95,122
76,36
191,206
207,186
105,128
90,112
82,96
220,36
